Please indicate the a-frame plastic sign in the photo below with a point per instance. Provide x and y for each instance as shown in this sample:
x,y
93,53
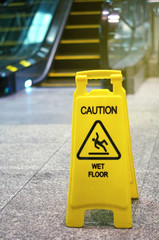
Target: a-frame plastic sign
x,y
102,174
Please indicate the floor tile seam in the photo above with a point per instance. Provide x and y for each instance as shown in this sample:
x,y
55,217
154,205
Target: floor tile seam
x,y
157,135
59,169
33,176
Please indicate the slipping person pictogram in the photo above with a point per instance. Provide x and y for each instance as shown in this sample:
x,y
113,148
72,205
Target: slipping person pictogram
x,y
98,143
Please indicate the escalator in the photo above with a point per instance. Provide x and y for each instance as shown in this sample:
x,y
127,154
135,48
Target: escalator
x,y
29,36
79,46
45,42
103,34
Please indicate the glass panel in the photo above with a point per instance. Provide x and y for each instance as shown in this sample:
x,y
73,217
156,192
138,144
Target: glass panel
x,y
24,28
127,33
119,45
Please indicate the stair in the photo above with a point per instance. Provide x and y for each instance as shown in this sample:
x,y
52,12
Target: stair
x,y
79,46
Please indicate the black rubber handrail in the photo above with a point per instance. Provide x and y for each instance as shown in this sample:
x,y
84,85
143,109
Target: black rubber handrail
x,y
55,45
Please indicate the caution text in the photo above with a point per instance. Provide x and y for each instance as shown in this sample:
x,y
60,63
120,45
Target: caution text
x,y
99,110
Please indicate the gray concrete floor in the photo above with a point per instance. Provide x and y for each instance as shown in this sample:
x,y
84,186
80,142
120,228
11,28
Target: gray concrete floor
x,y
35,133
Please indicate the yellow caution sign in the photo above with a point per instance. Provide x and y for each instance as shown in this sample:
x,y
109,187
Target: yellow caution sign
x,y
102,172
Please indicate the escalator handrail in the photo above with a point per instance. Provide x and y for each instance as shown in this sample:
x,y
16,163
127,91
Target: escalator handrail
x,y
55,46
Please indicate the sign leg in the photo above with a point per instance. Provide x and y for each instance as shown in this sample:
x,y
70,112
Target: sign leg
x,y
123,218
75,217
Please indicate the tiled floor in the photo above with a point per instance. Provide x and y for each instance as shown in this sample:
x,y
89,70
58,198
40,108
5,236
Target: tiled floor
x,y
35,132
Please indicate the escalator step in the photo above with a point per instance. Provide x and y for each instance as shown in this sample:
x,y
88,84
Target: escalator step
x,y
10,43
76,57
4,57
19,15
21,4
82,26
58,83
14,4
87,5
64,79
75,41
86,48
61,74
83,1
13,29
83,17
66,82
78,63
85,13
78,46
81,33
